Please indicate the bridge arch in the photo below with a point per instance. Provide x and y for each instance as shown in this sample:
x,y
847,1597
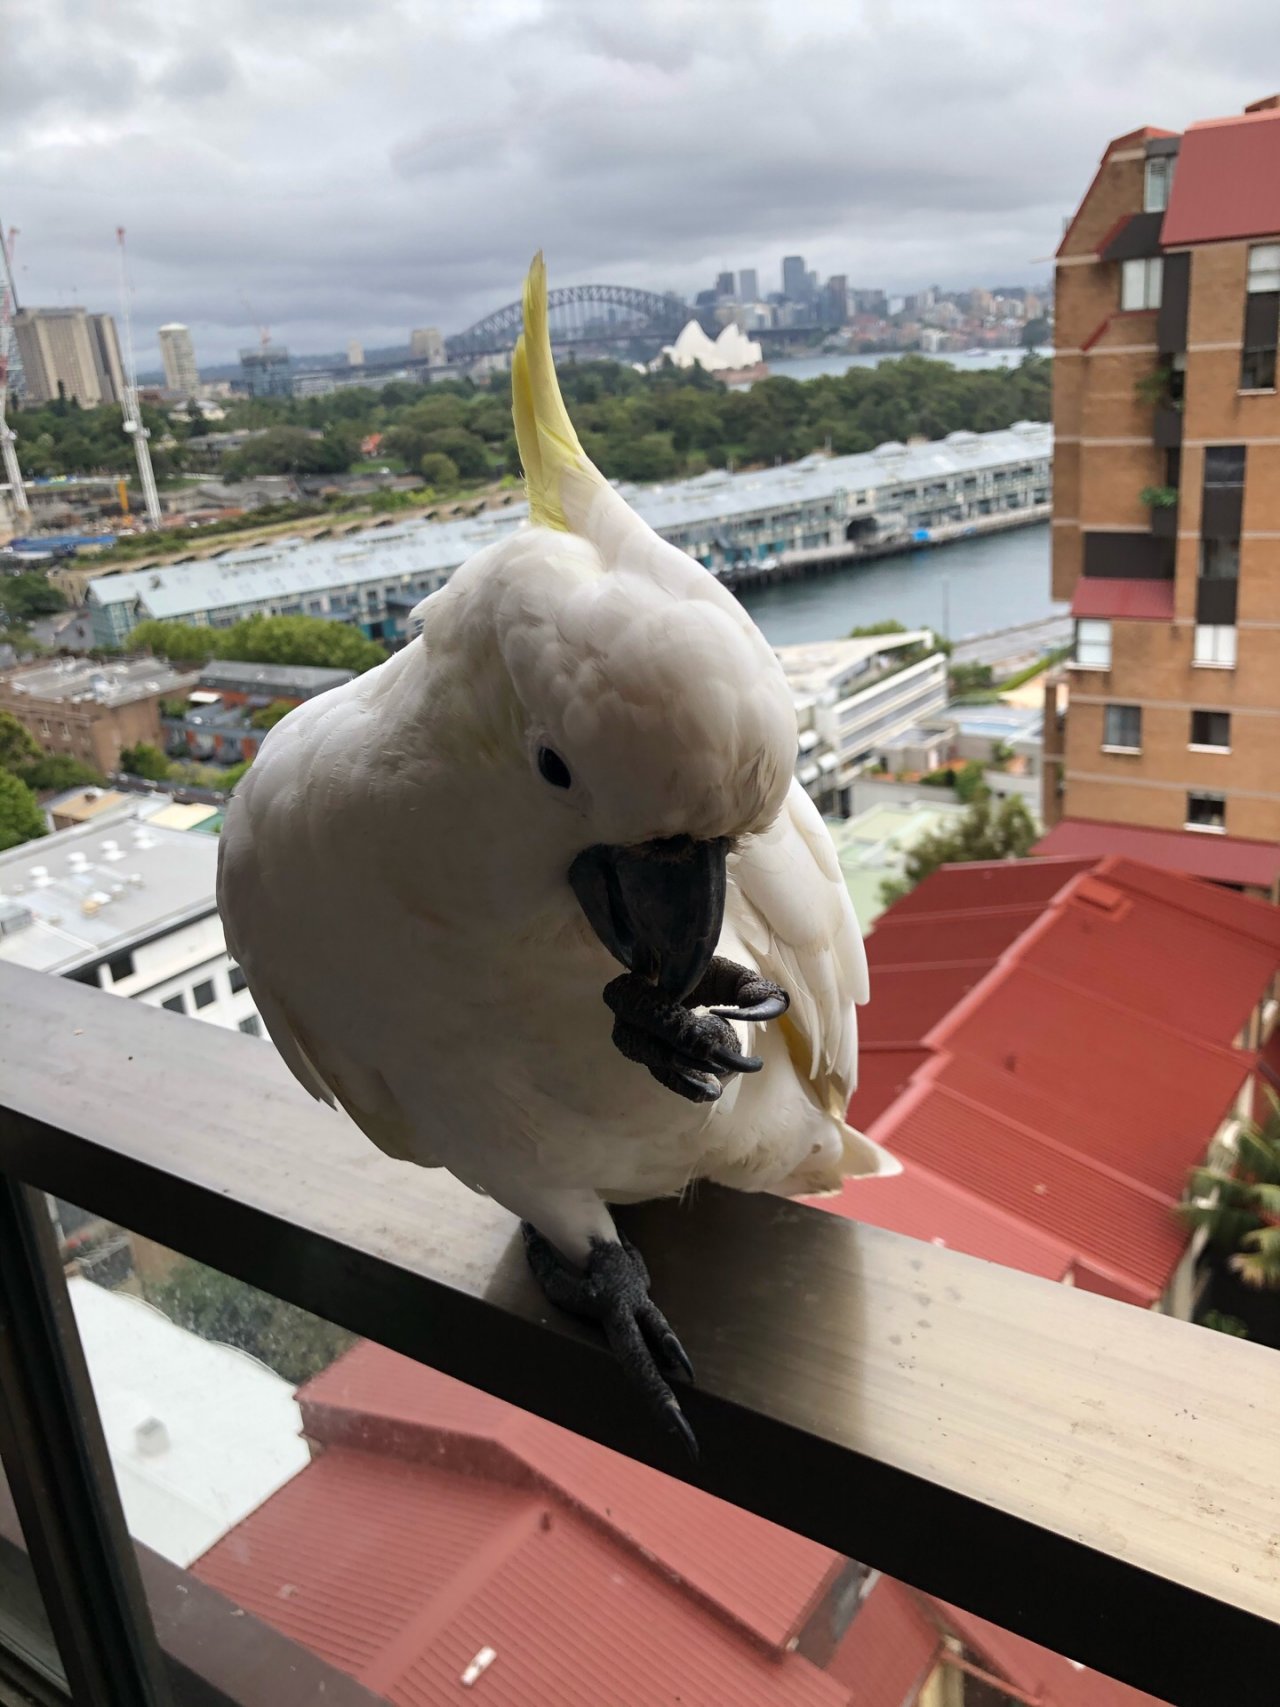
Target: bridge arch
x,y
577,313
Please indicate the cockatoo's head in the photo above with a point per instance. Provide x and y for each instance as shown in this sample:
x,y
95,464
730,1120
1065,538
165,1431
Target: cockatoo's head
x,y
657,730
654,723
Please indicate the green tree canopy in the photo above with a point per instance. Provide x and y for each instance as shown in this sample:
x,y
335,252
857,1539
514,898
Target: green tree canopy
x,y
211,1304
179,642
269,715
18,747
639,426
145,761
1239,1206
289,450
988,830
27,595
299,640
438,470
21,819
58,771
263,640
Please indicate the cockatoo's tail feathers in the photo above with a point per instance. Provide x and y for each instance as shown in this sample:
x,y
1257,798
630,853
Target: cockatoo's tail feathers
x,y
549,447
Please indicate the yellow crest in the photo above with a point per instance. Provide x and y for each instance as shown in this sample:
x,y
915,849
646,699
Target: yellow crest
x,y
544,433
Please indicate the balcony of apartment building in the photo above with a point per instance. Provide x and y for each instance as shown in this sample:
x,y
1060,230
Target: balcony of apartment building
x,y
1040,1463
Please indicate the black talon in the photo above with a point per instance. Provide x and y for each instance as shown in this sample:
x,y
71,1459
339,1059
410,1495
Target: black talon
x,y
678,1423
613,1289
731,1062
772,1007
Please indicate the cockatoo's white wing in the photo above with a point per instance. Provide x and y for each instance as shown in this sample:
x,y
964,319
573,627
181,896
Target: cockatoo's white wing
x,y
792,909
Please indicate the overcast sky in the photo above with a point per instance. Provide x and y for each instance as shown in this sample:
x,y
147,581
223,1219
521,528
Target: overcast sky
x,y
353,168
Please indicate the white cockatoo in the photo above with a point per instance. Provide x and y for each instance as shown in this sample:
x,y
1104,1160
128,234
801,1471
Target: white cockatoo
x,y
433,875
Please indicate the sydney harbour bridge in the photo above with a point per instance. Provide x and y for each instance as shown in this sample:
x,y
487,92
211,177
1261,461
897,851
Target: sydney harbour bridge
x,y
579,314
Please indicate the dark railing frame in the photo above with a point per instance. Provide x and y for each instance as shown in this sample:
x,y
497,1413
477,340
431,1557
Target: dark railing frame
x,y
1011,1450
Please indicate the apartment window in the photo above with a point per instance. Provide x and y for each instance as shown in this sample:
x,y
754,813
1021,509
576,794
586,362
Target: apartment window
x,y
1093,644
1258,366
251,1025
1264,269
1122,727
120,967
1224,465
175,1004
203,993
1140,283
1206,811
1220,559
237,977
1159,178
1261,319
1215,646
1211,729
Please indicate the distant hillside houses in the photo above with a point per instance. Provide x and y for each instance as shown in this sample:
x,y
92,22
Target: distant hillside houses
x,y
729,522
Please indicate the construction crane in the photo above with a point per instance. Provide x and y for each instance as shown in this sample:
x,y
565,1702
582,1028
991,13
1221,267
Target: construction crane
x,y
8,438
264,332
132,408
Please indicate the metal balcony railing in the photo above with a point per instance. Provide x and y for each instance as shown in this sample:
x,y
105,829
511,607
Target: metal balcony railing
x,y
1098,1478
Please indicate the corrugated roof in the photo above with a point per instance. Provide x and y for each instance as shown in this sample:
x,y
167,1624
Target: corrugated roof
x,y
921,1205
991,985
762,1577
889,1649
1227,181
403,1569
1220,859
1133,600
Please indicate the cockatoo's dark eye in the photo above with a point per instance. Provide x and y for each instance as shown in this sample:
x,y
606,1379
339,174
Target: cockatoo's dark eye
x,y
552,768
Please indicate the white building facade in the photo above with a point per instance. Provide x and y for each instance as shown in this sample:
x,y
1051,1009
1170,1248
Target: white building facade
x,y
854,700
736,525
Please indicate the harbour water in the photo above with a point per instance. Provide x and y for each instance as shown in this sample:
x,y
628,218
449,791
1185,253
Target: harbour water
x,y
836,362
968,587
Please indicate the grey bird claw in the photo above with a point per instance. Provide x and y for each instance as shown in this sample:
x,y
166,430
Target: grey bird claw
x,y
692,1053
613,1289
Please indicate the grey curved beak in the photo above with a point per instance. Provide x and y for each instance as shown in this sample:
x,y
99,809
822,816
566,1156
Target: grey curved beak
x,y
657,907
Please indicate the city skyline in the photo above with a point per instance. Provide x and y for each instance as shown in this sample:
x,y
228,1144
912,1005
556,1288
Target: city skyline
x,y
301,171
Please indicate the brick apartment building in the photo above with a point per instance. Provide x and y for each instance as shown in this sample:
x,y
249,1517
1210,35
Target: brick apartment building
x,y
89,710
1167,505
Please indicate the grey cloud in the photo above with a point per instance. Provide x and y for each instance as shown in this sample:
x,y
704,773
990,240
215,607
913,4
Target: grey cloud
x,y
354,171
192,76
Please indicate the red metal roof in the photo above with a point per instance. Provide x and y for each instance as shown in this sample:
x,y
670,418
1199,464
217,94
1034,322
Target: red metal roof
x,y
984,883
1013,1151
1227,181
920,1204
1134,600
1221,859
763,1578
889,1649
1041,1676
437,1522
402,1574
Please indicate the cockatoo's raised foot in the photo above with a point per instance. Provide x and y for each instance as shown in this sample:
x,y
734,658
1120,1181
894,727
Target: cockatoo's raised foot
x,y
692,1053
613,1289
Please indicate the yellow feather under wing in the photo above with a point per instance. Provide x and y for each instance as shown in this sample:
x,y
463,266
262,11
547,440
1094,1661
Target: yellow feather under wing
x,y
545,435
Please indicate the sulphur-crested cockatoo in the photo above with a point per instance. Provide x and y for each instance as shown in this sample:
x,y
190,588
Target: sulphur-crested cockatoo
x,y
431,875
